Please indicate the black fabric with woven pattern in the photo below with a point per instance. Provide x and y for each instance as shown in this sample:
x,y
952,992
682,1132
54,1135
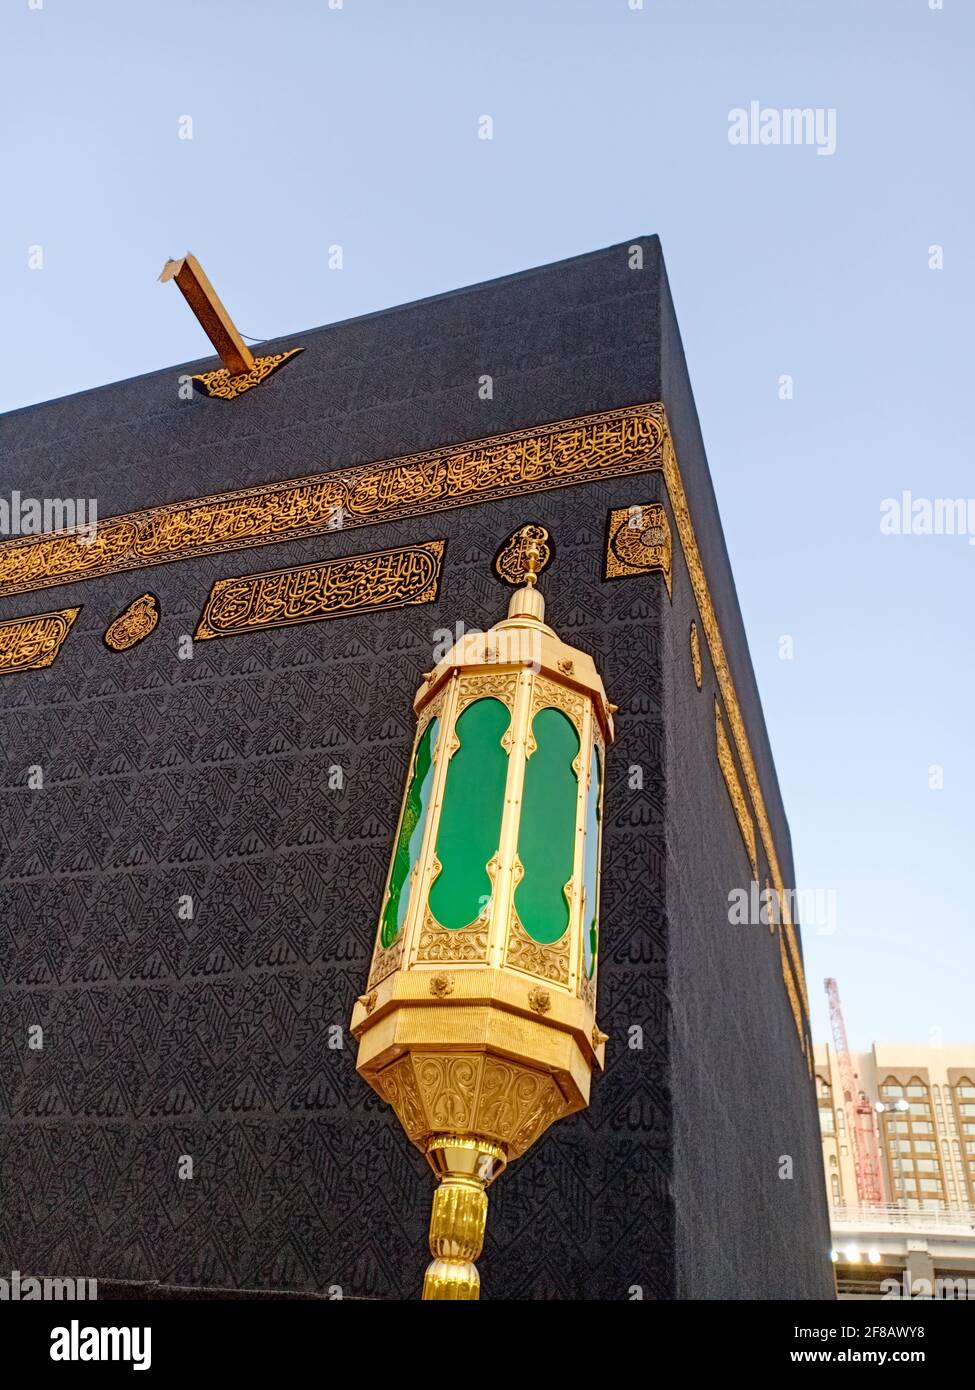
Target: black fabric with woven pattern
x,y
224,1038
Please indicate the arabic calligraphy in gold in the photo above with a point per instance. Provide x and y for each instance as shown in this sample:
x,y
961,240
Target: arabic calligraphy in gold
x,y
788,975
638,541
726,762
334,588
29,644
227,387
527,549
792,969
606,445
696,656
133,624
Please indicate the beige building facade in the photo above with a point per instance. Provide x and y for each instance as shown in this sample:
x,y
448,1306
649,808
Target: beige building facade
x,y
922,1100
925,1131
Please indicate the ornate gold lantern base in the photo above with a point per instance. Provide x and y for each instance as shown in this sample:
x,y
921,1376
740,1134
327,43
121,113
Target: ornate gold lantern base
x,y
470,1110
465,1166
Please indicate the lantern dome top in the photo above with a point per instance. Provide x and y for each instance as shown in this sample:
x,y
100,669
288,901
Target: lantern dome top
x,y
522,640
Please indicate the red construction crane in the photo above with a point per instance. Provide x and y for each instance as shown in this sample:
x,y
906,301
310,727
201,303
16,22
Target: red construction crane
x,y
859,1111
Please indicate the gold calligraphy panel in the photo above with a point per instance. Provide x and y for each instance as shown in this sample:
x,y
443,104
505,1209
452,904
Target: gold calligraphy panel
x,y
28,644
332,589
583,450
638,541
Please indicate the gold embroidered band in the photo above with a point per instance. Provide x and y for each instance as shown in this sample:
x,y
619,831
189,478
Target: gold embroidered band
x,y
506,465
726,762
791,963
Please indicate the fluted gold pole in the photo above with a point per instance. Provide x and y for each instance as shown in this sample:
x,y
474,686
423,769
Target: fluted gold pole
x,y
465,1167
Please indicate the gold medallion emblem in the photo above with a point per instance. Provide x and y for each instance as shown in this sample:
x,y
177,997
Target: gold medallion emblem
x,y
133,624
526,550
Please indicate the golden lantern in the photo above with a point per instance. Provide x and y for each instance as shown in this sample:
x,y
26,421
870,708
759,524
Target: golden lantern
x,y
478,1022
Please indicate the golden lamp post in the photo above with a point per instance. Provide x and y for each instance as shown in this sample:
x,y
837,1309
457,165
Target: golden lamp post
x,y
478,1022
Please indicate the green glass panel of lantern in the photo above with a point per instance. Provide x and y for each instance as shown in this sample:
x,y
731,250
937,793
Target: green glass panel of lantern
x,y
590,873
410,836
546,833
470,818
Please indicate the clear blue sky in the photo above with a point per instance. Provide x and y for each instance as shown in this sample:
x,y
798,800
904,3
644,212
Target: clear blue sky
x,y
358,126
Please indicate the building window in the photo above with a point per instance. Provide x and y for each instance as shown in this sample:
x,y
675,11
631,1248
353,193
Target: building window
x,y
826,1124
834,1183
